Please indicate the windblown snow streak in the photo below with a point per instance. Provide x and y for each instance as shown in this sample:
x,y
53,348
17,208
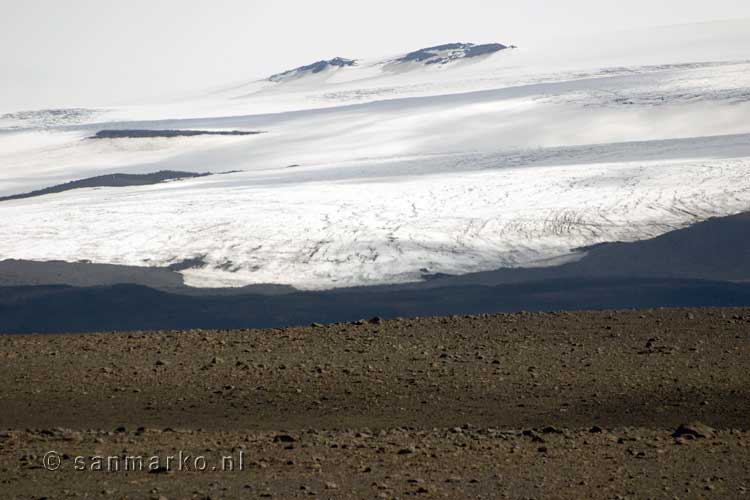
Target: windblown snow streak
x,y
400,170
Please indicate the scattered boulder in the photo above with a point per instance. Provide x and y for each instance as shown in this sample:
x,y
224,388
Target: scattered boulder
x,y
551,430
694,430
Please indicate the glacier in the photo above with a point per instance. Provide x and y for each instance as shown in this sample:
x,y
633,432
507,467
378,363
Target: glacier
x,y
389,170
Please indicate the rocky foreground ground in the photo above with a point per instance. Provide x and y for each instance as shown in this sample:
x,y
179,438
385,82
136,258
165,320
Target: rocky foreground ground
x,y
630,404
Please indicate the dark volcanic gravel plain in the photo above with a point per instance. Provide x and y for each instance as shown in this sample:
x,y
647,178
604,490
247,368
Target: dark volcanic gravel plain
x,y
627,404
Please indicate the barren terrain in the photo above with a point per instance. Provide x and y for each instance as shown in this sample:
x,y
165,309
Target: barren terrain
x,y
557,405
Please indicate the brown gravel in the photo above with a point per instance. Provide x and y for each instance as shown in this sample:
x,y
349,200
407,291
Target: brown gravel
x,y
462,407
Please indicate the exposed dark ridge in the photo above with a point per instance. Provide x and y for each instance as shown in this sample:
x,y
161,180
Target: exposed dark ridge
x,y
24,273
315,67
110,180
57,309
717,249
30,274
488,48
197,262
431,55
140,134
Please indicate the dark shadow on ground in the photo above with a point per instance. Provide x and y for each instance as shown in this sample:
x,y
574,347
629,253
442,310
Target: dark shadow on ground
x,y
55,309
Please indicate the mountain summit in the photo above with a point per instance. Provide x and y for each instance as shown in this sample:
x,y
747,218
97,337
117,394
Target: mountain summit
x,y
443,54
316,67
439,54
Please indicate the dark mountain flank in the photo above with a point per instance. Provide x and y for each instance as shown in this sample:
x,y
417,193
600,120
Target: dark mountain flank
x,y
442,54
316,67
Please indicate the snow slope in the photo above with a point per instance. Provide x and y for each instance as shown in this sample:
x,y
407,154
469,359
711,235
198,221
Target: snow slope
x,y
383,171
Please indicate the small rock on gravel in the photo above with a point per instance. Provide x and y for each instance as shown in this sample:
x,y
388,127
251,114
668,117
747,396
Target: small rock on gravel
x,y
695,429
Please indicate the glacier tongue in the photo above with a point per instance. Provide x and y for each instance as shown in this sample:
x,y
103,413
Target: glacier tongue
x,y
322,234
368,174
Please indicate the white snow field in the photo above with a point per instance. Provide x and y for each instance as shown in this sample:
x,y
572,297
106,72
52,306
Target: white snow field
x,y
384,171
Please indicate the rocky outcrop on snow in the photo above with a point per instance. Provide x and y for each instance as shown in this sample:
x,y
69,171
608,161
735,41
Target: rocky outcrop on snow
x,y
443,54
317,67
